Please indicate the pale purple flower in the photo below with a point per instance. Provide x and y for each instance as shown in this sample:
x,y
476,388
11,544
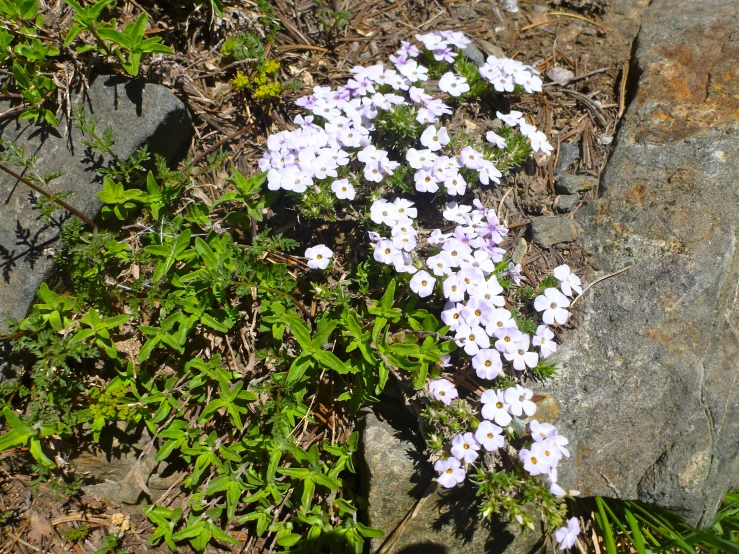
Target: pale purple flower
x,y
544,339
514,272
444,54
456,212
568,281
384,252
553,303
422,284
465,447
500,319
420,159
440,264
532,464
508,338
495,407
450,472
512,119
541,431
425,181
443,390
471,158
452,289
451,315
476,311
521,357
343,189
567,536
455,185
373,236
519,401
489,436
487,363
403,263
419,96
318,256
405,208
495,139
547,450
472,339
453,84
434,140
383,211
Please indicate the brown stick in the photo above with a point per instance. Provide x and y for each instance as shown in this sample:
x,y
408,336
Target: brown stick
x,y
50,196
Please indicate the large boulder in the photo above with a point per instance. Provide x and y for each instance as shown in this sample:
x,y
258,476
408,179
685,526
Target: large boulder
x,y
649,382
139,114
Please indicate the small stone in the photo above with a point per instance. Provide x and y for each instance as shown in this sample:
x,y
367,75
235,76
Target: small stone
x,y
565,203
569,33
572,184
473,54
541,9
546,231
568,153
560,75
491,49
519,251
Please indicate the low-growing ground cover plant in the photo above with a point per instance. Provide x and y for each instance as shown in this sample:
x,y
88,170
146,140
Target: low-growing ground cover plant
x,y
423,295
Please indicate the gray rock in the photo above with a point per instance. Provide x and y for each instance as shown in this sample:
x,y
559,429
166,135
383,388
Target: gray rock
x,y
547,230
572,184
112,470
565,203
473,53
649,381
138,113
519,251
491,49
568,153
397,477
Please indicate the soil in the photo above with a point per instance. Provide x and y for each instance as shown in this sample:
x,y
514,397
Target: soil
x,y
588,38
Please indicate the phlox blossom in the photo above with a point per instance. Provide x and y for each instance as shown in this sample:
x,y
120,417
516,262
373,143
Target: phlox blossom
x,y
544,339
567,536
521,357
450,472
434,140
422,284
553,303
489,436
495,407
465,447
343,189
452,84
487,363
443,390
568,281
533,464
318,256
519,401
472,339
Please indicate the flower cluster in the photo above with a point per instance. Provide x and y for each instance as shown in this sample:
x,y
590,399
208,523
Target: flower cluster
x,y
337,147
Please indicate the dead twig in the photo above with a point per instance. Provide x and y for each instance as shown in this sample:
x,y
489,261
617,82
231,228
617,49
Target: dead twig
x,y
599,280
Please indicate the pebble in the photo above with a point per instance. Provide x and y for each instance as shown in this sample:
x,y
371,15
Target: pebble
x,y
572,184
565,203
568,153
546,231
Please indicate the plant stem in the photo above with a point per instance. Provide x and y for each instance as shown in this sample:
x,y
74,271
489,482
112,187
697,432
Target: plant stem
x,y
50,196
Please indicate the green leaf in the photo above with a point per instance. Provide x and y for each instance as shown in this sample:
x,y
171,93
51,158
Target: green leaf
x,y
605,527
206,253
330,360
288,540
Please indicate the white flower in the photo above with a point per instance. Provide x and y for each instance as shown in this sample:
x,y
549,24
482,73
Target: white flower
x,y
497,140
383,211
434,140
343,189
544,340
453,84
472,339
422,284
471,158
452,289
539,143
533,464
318,256
440,264
403,263
450,472
508,338
405,208
450,315
465,447
413,71
568,281
521,357
489,436
384,252
495,408
541,431
443,390
487,363
512,119
519,401
547,450
456,212
553,304
567,536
